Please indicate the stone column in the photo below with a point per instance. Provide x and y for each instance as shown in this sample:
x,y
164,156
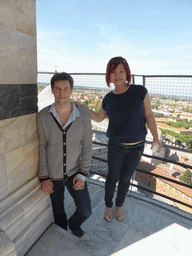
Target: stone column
x,y
25,210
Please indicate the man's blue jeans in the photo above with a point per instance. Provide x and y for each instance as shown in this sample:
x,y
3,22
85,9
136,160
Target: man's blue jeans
x,y
82,203
122,163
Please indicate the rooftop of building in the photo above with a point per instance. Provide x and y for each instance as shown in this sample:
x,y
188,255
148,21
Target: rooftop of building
x,y
165,126
160,170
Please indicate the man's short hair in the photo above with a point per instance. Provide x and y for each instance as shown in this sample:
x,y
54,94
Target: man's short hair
x,y
61,76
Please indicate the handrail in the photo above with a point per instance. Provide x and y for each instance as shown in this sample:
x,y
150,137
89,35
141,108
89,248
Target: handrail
x,y
155,157
190,76
79,73
101,74
43,72
148,142
148,190
153,174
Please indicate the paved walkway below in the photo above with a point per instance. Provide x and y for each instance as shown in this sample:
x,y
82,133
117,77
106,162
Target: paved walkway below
x,y
147,229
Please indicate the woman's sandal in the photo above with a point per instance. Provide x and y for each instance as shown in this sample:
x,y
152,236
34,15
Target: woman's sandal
x,y
119,213
108,215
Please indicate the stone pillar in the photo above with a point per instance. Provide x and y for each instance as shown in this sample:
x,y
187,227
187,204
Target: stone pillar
x,y
25,210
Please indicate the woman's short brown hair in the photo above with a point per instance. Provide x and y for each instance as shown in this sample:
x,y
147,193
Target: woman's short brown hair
x,y
112,65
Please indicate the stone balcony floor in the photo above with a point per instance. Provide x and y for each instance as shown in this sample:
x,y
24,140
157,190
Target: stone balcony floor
x,y
147,229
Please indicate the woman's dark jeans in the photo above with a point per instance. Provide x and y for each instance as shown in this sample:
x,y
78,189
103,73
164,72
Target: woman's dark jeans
x,y
122,163
82,203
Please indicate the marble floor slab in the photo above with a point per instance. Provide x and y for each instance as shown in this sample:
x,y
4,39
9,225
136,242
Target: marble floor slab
x,y
172,240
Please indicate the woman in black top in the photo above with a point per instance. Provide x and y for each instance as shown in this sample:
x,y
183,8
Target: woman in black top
x,y
128,109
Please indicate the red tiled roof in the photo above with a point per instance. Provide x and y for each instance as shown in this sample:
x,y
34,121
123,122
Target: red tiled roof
x,y
161,119
165,126
143,165
186,114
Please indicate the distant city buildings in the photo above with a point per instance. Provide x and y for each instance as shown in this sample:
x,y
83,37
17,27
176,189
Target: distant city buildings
x,y
162,186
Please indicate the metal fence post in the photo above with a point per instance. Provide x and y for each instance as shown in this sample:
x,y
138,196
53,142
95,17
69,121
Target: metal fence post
x,y
144,81
133,79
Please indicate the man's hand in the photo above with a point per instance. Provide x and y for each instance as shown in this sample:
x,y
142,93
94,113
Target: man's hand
x,y
47,186
78,184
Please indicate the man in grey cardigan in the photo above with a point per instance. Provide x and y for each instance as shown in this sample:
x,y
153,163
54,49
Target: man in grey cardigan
x,y
65,139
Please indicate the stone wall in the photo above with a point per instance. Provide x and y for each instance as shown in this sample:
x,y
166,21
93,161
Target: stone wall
x,y
23,206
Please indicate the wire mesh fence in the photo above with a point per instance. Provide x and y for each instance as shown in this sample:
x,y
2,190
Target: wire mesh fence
x,y
171,100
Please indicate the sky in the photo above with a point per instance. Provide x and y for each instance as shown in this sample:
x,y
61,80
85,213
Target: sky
x,y
154,36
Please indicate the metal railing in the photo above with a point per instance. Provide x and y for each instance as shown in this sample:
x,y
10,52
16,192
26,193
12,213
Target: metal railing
x,y
153,193
147,172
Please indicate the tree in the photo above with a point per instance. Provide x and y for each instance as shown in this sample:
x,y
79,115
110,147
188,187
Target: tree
x,y
188,141
178,124
96,108
187,109
86,103
186,177
154,106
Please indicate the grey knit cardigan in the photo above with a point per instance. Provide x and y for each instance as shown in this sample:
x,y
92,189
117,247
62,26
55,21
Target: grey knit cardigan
x,y
78,146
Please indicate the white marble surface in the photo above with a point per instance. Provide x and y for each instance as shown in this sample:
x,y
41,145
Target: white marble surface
x,y
19,57
145,231
19,15
7,247
24,215
3,178
172,240
18,41
33,231
15,219
22,165
12,199
45,98
18,152
17,132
